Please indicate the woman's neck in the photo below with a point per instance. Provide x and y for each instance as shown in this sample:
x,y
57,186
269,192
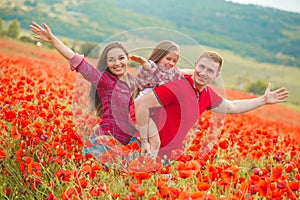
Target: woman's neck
x,y
125,78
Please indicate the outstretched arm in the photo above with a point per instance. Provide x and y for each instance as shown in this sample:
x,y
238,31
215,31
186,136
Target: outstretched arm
x,y
45,34
241,106
143,61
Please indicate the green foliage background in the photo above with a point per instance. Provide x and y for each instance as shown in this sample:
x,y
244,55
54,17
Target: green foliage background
x,y
266,34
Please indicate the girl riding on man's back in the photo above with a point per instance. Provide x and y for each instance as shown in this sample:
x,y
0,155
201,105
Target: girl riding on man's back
x,y
157,70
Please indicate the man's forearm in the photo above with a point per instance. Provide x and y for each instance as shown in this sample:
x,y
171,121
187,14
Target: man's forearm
x,y
242,106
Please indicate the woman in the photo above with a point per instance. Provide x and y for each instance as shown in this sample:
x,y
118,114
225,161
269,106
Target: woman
x,y
111,87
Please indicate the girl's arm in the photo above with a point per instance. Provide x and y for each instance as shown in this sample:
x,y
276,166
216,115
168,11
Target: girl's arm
x,y
45,34
186,71
143,61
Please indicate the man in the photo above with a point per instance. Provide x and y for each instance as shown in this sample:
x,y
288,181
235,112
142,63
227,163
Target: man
x,y
181,103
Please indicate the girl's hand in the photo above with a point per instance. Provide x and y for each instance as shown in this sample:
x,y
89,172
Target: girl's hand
x,y
41,33
139,59
143,61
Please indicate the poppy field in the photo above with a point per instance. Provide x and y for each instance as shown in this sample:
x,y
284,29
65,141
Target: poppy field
x,y
254,156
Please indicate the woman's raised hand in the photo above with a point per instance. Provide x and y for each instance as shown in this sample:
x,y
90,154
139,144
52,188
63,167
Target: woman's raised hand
x,y
42,33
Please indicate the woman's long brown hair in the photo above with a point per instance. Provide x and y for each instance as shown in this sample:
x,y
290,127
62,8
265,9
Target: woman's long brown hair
x,y
95,101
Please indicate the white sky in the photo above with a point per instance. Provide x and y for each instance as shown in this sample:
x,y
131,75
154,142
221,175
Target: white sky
x,y
287,5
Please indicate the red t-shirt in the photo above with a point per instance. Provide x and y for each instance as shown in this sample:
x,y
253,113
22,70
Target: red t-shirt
x,y
182,104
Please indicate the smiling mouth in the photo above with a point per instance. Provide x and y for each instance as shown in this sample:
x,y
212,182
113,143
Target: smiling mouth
x,y
201,78
118,67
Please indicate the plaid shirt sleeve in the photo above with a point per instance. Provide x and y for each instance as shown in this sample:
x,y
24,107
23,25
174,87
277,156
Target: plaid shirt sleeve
x,y
146,78
89,72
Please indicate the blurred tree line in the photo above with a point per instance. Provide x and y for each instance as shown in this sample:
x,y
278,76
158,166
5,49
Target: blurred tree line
x,y
265,34
14,31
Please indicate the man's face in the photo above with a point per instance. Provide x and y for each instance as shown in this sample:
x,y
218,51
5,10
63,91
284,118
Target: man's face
x,y
205,72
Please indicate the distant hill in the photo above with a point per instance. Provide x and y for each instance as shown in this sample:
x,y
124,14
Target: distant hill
x,y
265,34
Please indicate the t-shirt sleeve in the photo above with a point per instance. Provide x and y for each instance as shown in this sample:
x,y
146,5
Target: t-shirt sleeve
x,y
216,99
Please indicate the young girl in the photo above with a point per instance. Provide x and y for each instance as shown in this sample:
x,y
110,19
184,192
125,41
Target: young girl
x,y
113,85
157,70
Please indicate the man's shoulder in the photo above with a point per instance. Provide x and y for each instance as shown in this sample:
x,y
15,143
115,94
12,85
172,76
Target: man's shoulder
x,y
180,83
181,87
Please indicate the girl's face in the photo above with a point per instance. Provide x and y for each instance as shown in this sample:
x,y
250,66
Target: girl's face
x,y
169,60
117,61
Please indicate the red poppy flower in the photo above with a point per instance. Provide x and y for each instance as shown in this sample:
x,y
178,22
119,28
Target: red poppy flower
x,y
203,186
7,191
34,168
68,194
115,195
51,197
196,195
223,144
294,186
254,189
10,115
174,193
277,172
289,167
281,184
2,154
140,176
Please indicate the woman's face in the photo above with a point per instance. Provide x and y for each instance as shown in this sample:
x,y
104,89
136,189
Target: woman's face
x,y
169,60
117,61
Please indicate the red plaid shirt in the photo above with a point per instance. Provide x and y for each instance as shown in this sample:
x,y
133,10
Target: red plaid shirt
x,y
155,76
115,96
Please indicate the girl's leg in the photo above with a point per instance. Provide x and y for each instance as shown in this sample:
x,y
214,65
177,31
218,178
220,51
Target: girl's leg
x,y
153,137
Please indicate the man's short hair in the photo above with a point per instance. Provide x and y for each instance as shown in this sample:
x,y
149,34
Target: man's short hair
x,y
214,56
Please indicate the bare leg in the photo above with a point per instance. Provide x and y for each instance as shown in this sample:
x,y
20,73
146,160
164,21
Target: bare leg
x,y
153,138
